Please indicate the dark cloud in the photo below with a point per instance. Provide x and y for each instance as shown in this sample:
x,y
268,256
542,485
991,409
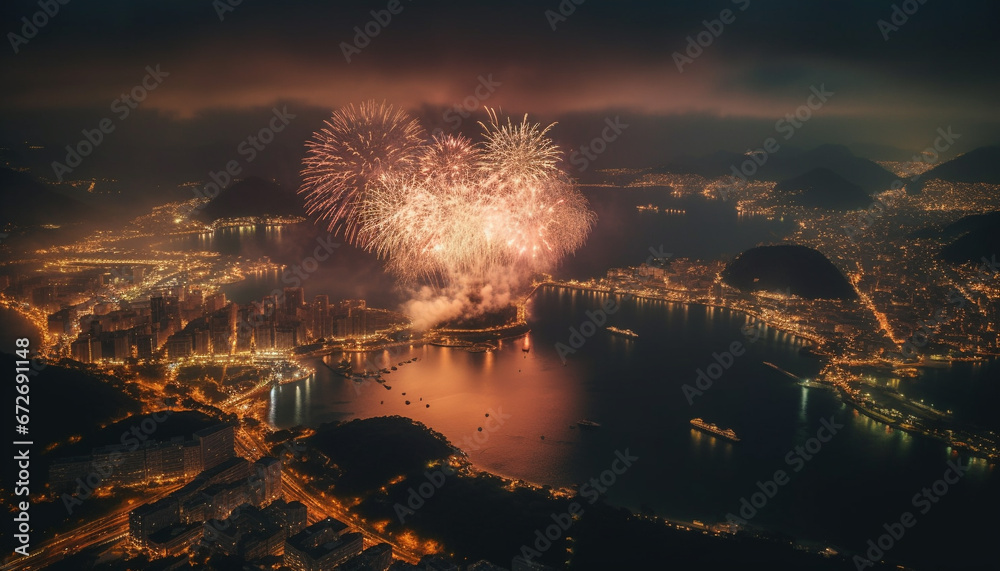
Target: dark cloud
x,y
607,58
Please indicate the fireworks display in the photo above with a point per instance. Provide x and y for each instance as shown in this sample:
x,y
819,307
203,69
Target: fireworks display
x,y
357,146
463,225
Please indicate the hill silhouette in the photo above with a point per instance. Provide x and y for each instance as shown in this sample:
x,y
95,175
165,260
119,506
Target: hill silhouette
x,y
28,202
980,238
372,451
253,196
823,188
798,269
790,162
980,165
870,176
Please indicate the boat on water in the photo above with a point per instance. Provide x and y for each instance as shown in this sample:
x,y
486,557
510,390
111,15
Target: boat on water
x,y
623,332
343,369
588,424
728,433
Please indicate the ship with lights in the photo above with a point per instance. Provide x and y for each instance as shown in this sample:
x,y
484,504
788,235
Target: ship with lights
x,y
623,332
728,433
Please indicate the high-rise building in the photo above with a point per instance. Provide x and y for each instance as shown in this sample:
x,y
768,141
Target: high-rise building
x,y
149,518
128,466
80,349
175,539
193,464
267,480
202,341
215,302
263,336
321,324
376,558
217,445
221,499
270,308
157,308
165,460
322,546
179,345
294,299
222,325
144,346
285,337
292,516
249,533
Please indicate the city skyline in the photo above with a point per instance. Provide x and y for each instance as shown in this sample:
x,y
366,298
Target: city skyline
x,y
501,286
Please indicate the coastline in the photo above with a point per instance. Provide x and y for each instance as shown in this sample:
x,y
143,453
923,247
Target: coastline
x,y
823,357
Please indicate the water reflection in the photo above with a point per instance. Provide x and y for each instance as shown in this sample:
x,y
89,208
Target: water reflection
x,y
632,388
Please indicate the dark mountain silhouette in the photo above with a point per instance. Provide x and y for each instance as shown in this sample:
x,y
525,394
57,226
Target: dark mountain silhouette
x,y
798,269
253,196
951,231
823,188
28,202
980,238
970,223
980,165
878,152
837,158
790,162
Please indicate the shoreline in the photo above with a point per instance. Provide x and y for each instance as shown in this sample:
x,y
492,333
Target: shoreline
x,y
823,357
748,313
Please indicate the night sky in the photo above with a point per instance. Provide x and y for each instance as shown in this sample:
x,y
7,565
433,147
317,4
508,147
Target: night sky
x,y
604,60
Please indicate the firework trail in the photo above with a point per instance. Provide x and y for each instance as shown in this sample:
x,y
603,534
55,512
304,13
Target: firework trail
x,y
463,226
357,146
